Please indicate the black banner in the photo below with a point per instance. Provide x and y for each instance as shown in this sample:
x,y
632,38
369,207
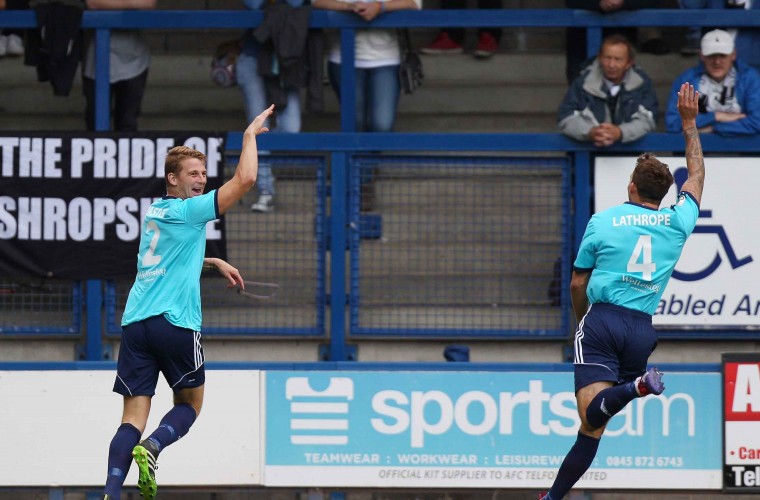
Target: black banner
x,y
71,204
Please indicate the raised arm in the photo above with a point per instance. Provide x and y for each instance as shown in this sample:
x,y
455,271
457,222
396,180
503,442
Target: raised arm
x,y
688,107
248,165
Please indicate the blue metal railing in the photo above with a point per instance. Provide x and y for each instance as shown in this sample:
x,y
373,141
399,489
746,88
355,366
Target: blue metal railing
x,y
341,145
103,21
351,366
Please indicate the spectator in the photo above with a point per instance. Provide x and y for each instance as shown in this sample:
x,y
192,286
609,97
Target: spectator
x,y
377,60
11,43
11,40
746,40
613,100
377,57
129,62
255,98
693,35
450,40
729,102
575,42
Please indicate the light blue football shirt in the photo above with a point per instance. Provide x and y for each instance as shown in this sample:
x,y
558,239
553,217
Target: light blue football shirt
x,y
632,251
170,260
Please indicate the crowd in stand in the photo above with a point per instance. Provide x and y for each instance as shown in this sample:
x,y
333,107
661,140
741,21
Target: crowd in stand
x,y
610,98
613,100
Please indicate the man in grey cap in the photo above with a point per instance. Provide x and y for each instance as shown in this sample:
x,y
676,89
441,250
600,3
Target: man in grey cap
x,y
729,89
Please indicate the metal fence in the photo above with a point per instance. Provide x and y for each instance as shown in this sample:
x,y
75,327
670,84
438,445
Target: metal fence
x,y
40,306
280,254
484,234
456,246
439,247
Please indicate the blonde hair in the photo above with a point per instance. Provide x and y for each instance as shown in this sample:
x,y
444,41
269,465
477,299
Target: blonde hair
x,y
174,157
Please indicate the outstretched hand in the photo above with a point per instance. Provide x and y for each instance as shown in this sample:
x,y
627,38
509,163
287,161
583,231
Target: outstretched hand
x,y
688,102
230,273
257,125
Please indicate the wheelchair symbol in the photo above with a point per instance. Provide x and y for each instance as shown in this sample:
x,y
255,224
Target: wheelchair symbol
x,y
680,177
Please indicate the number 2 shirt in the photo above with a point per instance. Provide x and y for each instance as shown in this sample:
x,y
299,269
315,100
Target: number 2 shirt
x,y
170,260
631,251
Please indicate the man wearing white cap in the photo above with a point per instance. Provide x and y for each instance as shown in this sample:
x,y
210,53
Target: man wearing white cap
x,y
746,38
730,90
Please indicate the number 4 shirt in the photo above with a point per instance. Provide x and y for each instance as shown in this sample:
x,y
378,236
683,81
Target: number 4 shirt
x,y
631,251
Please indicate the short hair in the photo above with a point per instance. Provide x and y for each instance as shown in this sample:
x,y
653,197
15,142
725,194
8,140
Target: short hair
x,y
652,178
618,39
174,158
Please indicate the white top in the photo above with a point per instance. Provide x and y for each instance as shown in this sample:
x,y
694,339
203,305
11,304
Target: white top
x,y
130,55
720,96
374,47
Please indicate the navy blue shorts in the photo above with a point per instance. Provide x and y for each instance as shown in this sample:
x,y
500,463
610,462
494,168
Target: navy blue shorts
x,y
612,344
154,345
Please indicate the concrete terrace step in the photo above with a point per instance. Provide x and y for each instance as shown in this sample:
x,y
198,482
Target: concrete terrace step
x,y
379,259
485,228
395,289
171,97
459,290
523,92
522,316
323,122
524,68
400,258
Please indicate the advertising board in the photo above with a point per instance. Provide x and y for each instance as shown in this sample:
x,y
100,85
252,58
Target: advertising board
x,y
715,282
480,429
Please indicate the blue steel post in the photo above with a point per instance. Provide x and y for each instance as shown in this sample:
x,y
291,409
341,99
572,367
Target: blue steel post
x,y
593,41
354,240
581,195
338,220
94,341
102,80
347,81
568,249
322,232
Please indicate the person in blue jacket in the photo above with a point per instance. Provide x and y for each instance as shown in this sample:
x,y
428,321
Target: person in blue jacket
x,y
746,38
729,90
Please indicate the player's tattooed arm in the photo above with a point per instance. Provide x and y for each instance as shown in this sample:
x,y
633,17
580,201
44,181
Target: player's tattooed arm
x,y
688,107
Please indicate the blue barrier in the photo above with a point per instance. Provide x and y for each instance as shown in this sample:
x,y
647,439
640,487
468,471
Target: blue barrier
x,y
351,366
104,21
341,146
